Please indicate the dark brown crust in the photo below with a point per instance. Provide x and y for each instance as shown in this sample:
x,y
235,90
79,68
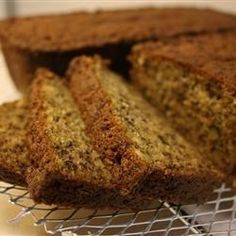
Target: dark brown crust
x,y
173,189
103,128
57,190
81,30
95,105
178,189
23,63
212,56
10,176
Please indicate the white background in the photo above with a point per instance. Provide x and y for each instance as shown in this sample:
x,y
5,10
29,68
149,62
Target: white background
x,y
32,7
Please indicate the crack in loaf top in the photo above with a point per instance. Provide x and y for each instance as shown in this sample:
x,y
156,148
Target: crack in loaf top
x,y
213,56
82,30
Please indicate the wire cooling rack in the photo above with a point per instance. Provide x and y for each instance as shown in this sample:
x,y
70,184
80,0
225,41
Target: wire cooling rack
x,y
215,217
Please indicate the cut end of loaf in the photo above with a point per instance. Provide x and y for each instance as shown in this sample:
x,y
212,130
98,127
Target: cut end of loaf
x,y
197,107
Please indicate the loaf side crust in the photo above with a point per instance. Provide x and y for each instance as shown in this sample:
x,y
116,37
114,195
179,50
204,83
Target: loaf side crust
x,y
47,33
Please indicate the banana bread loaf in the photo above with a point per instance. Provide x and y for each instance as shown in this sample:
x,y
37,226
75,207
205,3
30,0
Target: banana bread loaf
x,y
66,170
125,129
13,150
51,41
193,83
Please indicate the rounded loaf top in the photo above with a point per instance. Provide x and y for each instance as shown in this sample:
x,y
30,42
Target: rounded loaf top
x,y
79,30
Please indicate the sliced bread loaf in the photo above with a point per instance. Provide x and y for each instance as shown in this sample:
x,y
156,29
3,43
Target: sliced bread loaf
x,y
193,83
13,150
129,133
67,170
51,41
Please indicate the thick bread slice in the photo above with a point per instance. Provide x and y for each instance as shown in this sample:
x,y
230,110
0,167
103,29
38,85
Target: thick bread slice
x,y
13,150
67,170
127,130
193,83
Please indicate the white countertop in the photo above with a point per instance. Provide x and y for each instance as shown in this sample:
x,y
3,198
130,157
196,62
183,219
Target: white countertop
x,y
23,228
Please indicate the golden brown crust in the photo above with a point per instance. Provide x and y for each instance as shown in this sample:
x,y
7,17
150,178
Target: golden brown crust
x,y
212,56
60,191
82,30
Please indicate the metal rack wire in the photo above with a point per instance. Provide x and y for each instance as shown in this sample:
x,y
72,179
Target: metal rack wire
x,y
215,217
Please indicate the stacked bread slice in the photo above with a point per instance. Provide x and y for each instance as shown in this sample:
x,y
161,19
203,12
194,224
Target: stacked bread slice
x,y
94,142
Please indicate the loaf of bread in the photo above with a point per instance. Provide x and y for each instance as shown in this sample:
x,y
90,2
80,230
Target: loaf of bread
x,y
193,83
130,135
51,41
66,171
14,159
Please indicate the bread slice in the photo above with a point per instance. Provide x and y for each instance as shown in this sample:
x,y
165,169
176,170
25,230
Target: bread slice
x,y
125,129
13,150
192,82
51,41
67,170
